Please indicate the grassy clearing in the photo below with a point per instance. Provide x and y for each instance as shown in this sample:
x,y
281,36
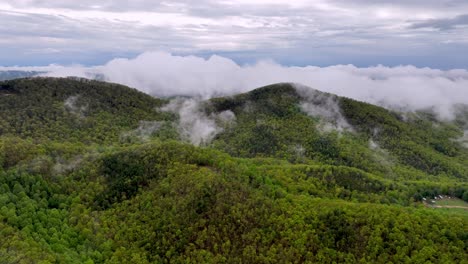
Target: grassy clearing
x,y
451,212
450,206
451,202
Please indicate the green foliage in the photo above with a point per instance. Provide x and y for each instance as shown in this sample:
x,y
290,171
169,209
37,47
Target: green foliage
x,y
272,188
73,110
416,143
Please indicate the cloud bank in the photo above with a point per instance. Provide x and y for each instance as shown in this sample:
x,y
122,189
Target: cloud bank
x,y
162,74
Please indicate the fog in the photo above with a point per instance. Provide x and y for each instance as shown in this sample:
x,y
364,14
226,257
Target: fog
x,y
144,131
324,106
194,125
71,104
162,74
464,139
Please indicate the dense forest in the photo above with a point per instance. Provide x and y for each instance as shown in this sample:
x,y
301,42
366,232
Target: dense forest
x,y
94,172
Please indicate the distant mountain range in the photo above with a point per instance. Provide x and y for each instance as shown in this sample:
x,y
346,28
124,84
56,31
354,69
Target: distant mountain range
x,y
10,75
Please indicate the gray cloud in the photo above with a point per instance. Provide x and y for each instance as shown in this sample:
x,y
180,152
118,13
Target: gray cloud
x,y
443,24
33,37
87,4
414,3
362,32
189,4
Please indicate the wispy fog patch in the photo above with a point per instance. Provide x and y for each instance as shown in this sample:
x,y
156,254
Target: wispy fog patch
x,y
325,107
464,140
72,105
63,166
226,117
163,74
298,152
373,145
194,124
144,130
382,157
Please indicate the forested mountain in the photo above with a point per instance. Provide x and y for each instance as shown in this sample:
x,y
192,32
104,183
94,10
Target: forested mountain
x,y
92,172
72,110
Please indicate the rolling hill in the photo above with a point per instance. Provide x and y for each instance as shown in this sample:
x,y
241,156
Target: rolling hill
x,y
92,172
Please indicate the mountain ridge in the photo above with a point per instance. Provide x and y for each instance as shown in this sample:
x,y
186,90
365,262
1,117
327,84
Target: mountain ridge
x,y
92,172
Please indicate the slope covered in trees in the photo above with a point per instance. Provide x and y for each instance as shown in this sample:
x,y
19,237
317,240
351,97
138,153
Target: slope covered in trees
x,y
73,110
307,126
100,173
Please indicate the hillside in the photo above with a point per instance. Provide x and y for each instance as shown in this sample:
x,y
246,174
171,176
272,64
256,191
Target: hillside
x,y
93,172
76,110
308,126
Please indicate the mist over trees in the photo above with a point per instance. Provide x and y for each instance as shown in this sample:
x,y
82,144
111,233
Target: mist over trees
x,y
92,172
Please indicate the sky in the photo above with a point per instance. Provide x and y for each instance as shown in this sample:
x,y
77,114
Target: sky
x,y
364,33
400,54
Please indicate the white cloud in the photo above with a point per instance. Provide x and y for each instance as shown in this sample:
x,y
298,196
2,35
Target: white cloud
x,y
163,74
324,106
193,124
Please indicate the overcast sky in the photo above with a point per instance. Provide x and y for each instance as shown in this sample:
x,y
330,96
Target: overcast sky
x,y
424,33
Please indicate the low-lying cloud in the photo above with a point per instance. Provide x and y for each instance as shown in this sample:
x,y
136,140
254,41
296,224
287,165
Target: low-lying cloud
x,y
162,74
194,125
144,130
71,104
324,106
464,140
